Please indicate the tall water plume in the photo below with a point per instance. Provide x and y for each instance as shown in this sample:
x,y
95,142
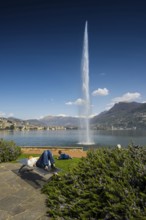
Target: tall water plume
x,y
85,133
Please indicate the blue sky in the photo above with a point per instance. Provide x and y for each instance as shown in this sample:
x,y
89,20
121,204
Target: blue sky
x,y
41,45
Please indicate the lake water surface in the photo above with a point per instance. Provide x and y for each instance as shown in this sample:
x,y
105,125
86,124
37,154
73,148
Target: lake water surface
x,y
71,138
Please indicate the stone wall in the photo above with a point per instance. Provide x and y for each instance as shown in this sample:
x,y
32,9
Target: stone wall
x,y
73,152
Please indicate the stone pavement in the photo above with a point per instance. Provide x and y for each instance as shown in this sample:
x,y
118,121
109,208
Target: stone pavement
x,y
20,195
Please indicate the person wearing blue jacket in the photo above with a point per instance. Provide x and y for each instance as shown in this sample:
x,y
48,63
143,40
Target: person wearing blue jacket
x,y
63,156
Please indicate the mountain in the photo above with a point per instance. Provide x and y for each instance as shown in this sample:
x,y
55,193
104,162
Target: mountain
x,y
122,115
48,121
35,122
60,121
15,120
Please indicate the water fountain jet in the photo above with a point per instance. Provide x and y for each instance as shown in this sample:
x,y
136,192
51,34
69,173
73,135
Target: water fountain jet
x,y
84,131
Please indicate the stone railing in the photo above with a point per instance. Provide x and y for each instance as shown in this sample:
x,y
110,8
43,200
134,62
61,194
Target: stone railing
x,y
72,151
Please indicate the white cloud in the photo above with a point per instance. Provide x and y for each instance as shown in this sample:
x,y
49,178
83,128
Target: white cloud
x,y
127,97
62,115
10,115
59,115
69,103
76,102
41,117
93,115
102,74
2,114
100,92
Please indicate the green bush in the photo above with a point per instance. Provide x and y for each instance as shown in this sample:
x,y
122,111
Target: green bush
x,y
8,151
109,184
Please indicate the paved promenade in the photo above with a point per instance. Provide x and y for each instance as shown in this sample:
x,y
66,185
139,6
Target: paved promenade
x,y
20,195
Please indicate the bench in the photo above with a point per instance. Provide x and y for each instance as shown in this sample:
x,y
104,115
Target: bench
x,y
27,167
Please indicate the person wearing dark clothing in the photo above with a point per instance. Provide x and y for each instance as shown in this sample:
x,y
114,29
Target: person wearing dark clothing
x,y
63,156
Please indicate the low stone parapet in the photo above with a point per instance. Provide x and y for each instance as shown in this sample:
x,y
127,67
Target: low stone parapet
x,y
73,152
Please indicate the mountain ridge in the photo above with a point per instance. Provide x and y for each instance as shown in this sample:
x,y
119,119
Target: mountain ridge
x,y
123,115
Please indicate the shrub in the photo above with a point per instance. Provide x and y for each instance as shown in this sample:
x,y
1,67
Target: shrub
x,y
8,151
109,184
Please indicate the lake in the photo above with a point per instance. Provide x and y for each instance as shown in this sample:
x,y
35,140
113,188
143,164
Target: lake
x,y
71,138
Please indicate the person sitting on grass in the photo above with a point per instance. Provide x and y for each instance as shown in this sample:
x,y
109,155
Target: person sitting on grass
x,y
63,156
45,160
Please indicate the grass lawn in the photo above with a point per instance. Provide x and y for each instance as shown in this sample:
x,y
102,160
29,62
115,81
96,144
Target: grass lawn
x,y
66,165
